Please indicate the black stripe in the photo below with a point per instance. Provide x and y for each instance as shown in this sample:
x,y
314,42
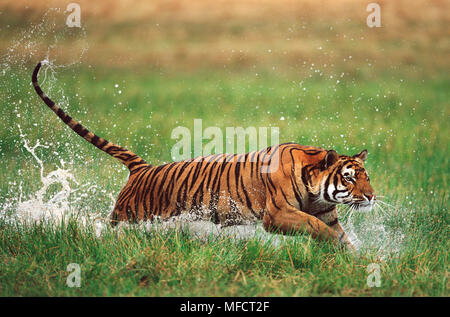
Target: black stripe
x,y
77,128
274,204
133,164
60,113
48,101
332,223
285,198
95,140
324,212
101,146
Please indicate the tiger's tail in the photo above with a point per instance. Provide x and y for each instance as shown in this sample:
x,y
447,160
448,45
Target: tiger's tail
x,y
128,158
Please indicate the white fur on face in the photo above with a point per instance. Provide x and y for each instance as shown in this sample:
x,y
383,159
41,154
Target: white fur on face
x,y
349,171
340,197
366,207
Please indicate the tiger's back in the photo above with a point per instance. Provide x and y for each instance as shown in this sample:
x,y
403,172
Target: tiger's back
x,y
226,188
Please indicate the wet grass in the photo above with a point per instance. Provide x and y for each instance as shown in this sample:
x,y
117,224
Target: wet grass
x,y
139,263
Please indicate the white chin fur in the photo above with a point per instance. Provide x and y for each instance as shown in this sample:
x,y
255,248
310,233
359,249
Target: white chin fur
x,y
365,207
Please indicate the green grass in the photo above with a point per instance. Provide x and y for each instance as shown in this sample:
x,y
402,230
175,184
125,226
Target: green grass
x,y
401,121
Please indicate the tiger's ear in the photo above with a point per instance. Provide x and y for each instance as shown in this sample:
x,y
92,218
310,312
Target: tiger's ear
x,y
331,158
362,155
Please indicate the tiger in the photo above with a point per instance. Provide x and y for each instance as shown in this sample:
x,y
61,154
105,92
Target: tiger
x,y
292,188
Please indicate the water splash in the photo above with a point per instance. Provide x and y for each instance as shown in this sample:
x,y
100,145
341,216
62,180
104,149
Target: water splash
x,y
203,229
59,205
381,230
25,48
50,40
47,35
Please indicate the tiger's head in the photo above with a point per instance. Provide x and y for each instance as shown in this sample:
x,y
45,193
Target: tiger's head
x,y
346,181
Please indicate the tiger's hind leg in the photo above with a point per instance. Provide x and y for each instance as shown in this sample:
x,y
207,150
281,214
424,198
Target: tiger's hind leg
x,y
125,208
117,216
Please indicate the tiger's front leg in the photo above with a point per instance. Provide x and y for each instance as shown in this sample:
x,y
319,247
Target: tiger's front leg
x,y
331,219
282,217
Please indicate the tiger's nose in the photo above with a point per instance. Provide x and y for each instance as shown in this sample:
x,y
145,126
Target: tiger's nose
x,y
370,197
